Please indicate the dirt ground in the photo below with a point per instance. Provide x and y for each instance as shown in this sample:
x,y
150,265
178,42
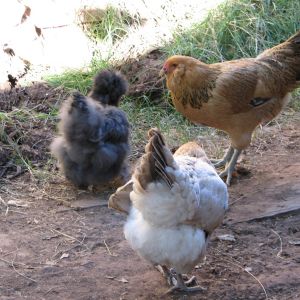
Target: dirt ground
x,y
57,242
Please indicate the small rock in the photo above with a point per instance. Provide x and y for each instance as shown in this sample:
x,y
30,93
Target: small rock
x,y
226,237
295,242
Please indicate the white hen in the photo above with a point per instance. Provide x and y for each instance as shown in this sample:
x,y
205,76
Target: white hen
x,y
174,204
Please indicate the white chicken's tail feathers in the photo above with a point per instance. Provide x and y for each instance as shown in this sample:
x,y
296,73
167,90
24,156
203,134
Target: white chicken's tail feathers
x,y
155,160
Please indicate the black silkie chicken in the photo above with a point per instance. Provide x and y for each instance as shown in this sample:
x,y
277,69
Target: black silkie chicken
x,y
92,146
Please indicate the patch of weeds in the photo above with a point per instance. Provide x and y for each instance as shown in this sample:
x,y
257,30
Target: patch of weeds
x,y
236,29
25,136
109,24
144,115
295,101
80,80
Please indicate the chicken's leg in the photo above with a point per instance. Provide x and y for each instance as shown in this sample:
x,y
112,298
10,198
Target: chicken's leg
x,y
226,158
229,168
181,286
170,275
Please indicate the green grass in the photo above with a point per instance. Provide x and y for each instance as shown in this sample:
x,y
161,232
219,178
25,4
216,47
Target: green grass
x,y
111,24
80,80
241,28
18,136
236,29
143,115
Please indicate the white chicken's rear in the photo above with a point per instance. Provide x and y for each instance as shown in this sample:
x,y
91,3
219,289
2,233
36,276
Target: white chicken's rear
x,y
174,205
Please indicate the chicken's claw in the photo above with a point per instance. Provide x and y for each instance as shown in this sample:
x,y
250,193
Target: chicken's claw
x,y
229,168
218,163
181,286
170,275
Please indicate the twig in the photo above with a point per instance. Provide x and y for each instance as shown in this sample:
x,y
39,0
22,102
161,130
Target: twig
x,y
3,202
244,269
81,243
18,212
107,248
14,251
49,291
66,235
242,197
55,251
280,251
237,199
11,263
23,275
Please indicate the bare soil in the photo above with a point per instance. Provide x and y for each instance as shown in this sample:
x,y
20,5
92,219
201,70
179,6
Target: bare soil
x,y
57,242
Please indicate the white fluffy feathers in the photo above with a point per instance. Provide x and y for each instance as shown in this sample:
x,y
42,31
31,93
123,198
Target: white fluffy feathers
x,y
174,204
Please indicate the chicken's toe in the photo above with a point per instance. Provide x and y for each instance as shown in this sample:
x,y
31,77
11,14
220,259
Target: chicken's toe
x,y
218,163
189,281
181,286
229,169
170,275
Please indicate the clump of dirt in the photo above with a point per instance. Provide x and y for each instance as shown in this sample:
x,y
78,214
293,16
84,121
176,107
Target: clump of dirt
x,y
58,242
39,97
30,119
143,75
28,126
62,243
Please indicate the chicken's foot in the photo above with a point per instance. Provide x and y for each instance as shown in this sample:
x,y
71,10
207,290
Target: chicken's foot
x,y
170,275
226,158
181,285
229,168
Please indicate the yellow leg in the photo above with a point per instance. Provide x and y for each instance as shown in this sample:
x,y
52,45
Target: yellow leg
x,y
229,168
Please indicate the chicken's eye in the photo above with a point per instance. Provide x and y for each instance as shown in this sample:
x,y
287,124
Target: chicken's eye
x,y
174,65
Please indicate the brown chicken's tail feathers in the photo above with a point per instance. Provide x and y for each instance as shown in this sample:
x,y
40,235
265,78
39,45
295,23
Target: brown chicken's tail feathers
x,y
153,164
295,39
286,56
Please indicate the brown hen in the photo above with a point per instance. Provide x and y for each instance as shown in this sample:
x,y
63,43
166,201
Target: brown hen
x,y
235,96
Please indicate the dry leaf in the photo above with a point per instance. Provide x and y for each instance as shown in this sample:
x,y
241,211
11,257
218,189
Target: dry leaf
x,y
64,255
123,280
226,237
17,203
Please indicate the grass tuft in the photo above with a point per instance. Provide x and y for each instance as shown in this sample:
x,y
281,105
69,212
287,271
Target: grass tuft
x,y
110,24
143,115
235,29
80,80
238,29
24,139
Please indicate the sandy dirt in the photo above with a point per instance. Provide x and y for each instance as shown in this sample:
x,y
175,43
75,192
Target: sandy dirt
x,y
57,242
